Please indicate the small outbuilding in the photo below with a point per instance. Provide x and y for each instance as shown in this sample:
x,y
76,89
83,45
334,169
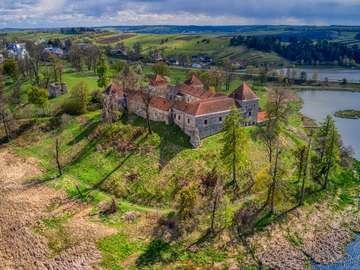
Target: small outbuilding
x,y
57,89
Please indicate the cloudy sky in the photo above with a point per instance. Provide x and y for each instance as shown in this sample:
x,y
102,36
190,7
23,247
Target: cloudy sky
x,y
50,13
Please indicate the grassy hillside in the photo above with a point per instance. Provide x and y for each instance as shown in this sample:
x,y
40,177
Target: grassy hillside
x,y
146,173
143,172
214,46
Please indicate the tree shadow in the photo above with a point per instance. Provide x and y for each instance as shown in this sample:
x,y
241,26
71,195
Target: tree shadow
x,y
18,132
172,139
154,253
127,157
107,176
84,152
89,128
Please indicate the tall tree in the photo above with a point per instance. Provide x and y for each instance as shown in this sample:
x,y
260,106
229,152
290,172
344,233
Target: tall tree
x,y
327,145
278,109
235,145
103,72
228,68
217,78
186,207
147,97
76,58
161,68
35,53
137,50
130,81
213,191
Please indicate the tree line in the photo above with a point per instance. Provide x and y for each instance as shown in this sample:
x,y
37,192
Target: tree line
x,y
303,51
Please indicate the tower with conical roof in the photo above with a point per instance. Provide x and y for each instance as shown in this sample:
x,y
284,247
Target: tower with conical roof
x,y
248,102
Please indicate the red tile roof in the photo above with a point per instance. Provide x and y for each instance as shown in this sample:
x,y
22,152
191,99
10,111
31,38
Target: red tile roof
x,y
211,105
262,117
194,81
159,103
194,91
158,80
114,89
244,92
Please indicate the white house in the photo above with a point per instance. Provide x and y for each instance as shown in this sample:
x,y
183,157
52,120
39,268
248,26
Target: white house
x,y
17,50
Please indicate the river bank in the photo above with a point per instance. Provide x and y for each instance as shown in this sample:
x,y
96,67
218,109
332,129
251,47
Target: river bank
x,y
310,235
332,88
351,262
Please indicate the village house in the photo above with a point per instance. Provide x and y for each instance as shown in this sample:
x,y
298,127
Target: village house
x,y
54,51
17,50
196,111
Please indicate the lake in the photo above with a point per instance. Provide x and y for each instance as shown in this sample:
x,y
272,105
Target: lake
x,y
318,104
333,74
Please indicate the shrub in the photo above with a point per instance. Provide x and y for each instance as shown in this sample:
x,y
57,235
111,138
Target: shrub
x,y
77,103
38,97
10,68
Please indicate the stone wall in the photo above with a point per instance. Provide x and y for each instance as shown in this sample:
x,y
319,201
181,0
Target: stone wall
x,y
210,124
186,122
57,89
204,126
250,109
156,115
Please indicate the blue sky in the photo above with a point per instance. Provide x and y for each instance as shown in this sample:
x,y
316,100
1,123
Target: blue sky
x,y
54,13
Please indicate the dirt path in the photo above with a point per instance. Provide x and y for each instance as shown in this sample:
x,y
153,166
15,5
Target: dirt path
x,y
22,207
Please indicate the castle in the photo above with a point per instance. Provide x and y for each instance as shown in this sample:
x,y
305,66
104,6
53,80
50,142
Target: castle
x,y
196,111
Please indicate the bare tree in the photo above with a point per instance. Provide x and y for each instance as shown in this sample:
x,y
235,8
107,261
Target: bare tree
x,y
303,154
35,53
147,97
274,183
130,81
278,110
213,191
57,156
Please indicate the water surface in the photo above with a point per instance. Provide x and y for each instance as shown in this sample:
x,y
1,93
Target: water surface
x,y
332,74
318,104
351,262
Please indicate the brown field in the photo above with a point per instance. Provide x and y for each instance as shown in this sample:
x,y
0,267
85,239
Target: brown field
x,y
23,209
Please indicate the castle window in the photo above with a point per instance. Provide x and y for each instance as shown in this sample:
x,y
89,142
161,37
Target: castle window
x,y
250,113
179,117
205,122
220,119
188,120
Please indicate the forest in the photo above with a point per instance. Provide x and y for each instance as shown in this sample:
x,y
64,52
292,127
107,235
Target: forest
x,y
303,51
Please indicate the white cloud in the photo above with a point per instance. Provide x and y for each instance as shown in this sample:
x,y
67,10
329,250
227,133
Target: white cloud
x,y
43,13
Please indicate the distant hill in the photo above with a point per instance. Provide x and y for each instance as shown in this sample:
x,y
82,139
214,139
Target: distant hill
x,y
307,31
